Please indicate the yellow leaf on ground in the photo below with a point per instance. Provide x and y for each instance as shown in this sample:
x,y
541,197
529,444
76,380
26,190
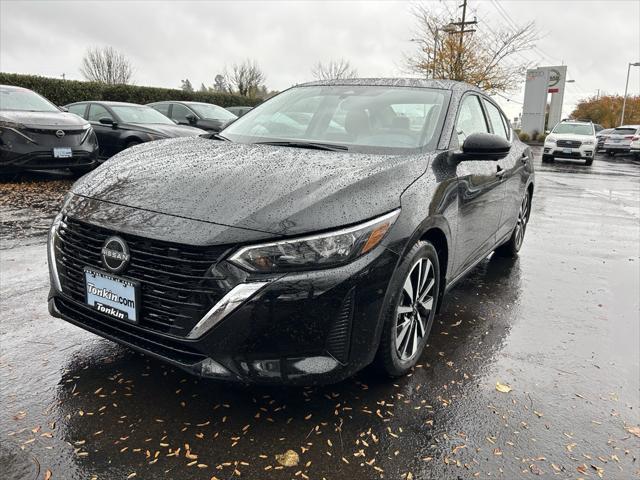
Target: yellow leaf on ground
x,y
47,475
288,458
503,388
634,430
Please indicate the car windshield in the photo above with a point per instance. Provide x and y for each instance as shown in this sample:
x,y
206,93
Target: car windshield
x,y
574,128
140,114
364,118
212,111
24,100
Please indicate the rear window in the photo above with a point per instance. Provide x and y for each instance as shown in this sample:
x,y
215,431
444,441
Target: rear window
x,y
624,131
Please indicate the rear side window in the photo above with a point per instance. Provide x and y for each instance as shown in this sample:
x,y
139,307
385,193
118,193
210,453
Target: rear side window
x,y
162,108
78,109
470,118
96,112
496,119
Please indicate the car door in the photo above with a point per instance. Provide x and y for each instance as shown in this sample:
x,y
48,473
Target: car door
x,y
481,190
107,134
512,170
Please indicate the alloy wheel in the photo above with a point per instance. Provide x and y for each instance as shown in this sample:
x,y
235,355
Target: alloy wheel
x,y
523,217
414,309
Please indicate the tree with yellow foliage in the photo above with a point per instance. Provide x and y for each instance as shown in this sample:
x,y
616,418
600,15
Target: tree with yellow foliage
x,y
606,110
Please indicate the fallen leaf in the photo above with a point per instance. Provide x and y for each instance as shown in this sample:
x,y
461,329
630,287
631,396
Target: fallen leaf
x,y
535,469
48,475
634,430
288,458
503,388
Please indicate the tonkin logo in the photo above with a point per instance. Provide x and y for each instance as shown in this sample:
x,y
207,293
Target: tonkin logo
x,y
115,254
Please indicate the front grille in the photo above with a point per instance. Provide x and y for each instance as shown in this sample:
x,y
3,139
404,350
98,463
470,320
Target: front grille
x,y
52,131
129,334
177,287
569,143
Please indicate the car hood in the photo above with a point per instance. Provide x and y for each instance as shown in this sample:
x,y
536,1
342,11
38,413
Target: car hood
x,y
574,138
277,190
42,119
165,130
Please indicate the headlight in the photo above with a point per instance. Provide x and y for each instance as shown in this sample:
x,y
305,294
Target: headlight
x,y
316,251
550,139
17,128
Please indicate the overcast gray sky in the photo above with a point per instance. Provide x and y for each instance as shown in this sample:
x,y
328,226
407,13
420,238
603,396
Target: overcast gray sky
x,y
169,40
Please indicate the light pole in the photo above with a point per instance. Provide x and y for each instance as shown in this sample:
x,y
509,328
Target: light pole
x,y
626,87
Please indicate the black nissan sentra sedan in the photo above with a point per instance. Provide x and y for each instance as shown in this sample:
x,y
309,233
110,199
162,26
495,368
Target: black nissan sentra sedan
x,y
120,125
314,236
35,134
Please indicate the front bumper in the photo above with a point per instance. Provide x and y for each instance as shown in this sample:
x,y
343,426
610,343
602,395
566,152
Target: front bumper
x,y
302,328
12,159
617,147
584,152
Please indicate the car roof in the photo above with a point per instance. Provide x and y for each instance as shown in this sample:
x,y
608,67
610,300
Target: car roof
x,y
396,82
109,103
627,126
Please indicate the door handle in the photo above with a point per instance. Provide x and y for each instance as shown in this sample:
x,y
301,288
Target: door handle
x,y
500,173
524,158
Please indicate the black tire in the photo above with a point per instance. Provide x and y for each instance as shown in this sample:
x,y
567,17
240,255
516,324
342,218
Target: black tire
x,y
547,158
512,246
389,358
588,162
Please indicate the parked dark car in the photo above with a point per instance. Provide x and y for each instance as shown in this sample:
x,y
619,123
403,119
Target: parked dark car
x,y
122,125
206,116
239,111
34,134
602,136
319,237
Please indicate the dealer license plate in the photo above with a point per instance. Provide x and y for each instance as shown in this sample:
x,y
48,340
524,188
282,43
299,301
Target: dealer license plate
x,y
113,296
62,153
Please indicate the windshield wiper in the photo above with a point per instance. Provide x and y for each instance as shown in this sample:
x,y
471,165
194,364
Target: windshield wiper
x,y
311,145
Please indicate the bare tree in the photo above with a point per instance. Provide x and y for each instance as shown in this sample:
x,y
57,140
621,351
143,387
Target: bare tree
x,y
186,85
106,65
245,78
492,61
220,83
334,70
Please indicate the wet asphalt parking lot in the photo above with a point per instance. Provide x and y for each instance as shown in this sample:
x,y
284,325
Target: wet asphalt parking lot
x,y
558,327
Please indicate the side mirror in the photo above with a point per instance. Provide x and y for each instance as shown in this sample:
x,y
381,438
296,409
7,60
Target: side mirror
x,y
108,121
483,146
191,119
547,132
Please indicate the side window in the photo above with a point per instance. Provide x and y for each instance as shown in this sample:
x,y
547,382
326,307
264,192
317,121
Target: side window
x,y
78,109
470,118
495,117
180,112
96,112
163,108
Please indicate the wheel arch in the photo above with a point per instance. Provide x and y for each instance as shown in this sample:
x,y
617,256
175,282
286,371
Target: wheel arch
x,y
437,237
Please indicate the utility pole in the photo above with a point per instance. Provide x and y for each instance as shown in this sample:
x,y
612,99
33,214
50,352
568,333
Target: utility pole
x,y
462,24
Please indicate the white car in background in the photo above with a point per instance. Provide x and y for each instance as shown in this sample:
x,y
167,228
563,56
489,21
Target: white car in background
x,y
619,141
571,139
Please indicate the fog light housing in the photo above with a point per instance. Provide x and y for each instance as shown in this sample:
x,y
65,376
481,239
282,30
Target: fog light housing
x,y
210,368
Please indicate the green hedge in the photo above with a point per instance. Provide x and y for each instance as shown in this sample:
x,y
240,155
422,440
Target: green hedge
x,y
63,92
